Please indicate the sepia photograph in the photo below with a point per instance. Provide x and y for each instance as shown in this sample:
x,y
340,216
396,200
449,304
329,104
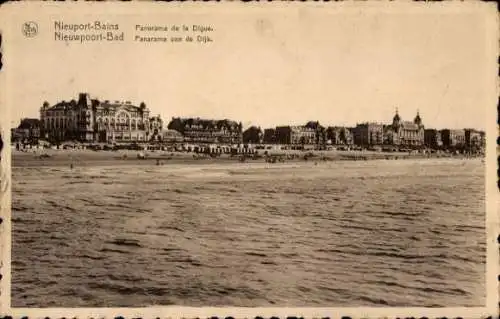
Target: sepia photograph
x,y
261,156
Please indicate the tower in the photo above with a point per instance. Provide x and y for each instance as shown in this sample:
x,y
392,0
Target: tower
x,y
84,100
43,112
396,120
417,119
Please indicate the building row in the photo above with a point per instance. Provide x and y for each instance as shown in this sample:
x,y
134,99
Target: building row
x,y
91,120
398,133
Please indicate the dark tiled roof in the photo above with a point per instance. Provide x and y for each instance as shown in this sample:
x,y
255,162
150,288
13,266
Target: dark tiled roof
x,y
73,105
64,106
108,105
253,128
314,125
208,123
29,123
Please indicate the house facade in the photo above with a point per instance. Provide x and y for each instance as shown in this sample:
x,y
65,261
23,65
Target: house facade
x,y
28,131
368,134
432,139
295,135
337,135
253,135
453,139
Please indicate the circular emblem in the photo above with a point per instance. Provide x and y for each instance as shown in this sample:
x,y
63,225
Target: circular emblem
x,y
30,29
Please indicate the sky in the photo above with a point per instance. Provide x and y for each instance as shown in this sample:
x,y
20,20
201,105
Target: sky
x,y
339,65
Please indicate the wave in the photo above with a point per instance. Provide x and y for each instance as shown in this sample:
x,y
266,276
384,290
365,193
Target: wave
x,y
172,228
91,257
125,242
250,253
79,182
128,290
373,301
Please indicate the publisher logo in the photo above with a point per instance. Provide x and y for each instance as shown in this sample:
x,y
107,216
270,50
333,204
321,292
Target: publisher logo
x,y
30,29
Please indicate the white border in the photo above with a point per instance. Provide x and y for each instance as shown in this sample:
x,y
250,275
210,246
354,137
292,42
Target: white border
x,y
492,218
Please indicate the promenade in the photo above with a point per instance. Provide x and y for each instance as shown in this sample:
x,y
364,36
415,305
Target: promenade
x,y
51,157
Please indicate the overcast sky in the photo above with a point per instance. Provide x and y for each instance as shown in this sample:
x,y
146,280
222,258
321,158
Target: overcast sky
x,y
272,67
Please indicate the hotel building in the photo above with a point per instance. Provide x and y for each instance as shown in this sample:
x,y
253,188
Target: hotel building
x,y
406,133
92,120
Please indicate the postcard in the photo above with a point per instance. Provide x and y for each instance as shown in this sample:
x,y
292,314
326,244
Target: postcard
x,y
249,160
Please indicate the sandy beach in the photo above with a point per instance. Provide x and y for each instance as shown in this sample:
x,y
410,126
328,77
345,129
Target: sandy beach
x,y
50,157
